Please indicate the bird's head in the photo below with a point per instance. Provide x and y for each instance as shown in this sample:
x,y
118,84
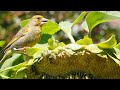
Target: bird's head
x,y
38,20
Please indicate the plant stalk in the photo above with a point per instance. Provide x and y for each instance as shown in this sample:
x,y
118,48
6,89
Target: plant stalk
x,y
71,38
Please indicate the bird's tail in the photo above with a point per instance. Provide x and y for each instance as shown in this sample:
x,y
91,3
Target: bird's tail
x,y
4,50
1,56
5,56
1,53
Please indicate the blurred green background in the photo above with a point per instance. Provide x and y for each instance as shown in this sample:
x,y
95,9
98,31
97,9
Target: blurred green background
x,y
10,24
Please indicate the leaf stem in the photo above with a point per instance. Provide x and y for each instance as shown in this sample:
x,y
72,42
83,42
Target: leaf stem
x,y
71,38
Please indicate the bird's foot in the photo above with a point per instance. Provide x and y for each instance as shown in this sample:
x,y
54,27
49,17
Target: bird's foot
x,y
20,50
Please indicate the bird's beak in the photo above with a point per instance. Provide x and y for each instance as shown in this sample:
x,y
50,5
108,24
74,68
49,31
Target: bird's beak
x,y
43,20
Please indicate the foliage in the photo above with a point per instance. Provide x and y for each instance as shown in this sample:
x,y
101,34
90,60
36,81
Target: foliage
x,y
92,19
2,43
85,41
95,18
111,42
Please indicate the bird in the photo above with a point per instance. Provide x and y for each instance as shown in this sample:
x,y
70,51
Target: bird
x,y
27,36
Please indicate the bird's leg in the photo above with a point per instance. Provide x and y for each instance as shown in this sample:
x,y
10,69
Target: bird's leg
x,y
21,51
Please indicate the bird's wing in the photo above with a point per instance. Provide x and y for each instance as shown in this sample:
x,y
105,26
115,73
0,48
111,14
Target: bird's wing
x,y
20,34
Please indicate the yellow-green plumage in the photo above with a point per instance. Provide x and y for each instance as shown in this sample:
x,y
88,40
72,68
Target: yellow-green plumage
x,y
27,36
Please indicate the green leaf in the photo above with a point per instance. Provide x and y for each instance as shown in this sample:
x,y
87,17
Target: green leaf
x,y
19,75
21,69
111,42
31,50
42,47
50,28
2,43
24,22
44,38
15,59
85,41
10,71
113,13
52,43
93,48
4,77
6,69
17,71
103,55
111,55
80,18
61,44
116,52
85,26
30,62
118,46
65,26
96,17
116,60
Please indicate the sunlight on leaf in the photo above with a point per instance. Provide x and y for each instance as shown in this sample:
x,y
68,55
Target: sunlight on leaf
x,y
116,60
65,26
21,69
85,26
80,18
30,62
42,47
52,43
50,28
103,55
17,70
4,77
10,71
113,13
111,42
31,50
14,68
93,48
112,56
96,17
19,75
85,41
118,46
74,46
10,62
116,52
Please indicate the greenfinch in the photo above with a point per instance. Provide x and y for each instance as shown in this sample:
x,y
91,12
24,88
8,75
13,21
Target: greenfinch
x,y
27,36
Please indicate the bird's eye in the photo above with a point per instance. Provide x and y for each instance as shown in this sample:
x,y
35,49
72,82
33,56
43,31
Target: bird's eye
x,y
38,18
